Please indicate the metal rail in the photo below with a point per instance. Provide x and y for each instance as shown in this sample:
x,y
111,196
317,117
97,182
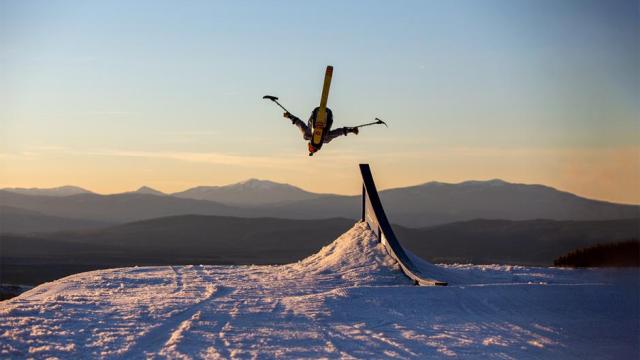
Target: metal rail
x,y
373,213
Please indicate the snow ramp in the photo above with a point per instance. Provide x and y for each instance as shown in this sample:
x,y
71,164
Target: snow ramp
x,y
373,214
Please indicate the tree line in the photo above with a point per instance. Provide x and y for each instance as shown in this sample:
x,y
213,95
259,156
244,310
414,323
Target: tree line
x,y
618,254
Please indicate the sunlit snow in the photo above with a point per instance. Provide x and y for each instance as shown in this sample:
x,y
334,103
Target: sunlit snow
x,y
347,301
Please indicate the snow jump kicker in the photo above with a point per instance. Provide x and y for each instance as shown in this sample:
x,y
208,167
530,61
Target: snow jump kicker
x,y
373,214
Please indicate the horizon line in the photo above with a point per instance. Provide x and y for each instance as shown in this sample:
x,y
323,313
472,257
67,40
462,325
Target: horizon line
x,y
19,188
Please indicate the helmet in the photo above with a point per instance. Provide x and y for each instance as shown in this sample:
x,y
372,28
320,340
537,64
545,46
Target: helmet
x,y
312,148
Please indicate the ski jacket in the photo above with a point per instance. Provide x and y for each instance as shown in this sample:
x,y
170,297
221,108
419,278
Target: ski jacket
x,y
305,129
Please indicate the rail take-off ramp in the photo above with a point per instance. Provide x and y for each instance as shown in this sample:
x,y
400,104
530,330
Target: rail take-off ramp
x,y
373,213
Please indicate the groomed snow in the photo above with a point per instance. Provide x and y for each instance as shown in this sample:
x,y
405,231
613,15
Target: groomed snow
x,y
347,301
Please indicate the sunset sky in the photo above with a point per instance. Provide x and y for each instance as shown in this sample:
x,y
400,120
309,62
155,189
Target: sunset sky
x,y
112,95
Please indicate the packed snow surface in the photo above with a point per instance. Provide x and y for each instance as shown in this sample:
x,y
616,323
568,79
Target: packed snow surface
x,y
347,301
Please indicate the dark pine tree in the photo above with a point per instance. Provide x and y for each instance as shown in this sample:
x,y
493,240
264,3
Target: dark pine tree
x,y
618,254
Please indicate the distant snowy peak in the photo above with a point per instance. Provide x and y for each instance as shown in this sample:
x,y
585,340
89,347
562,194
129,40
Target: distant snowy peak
x,y
247,185
486,189
481,184
56,191
148,190
257,184
492,182
248,192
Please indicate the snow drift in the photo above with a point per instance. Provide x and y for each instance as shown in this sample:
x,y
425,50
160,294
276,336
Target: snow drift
x,y
349,300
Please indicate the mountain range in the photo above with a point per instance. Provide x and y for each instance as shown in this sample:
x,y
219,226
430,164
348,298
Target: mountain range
x,y
428,204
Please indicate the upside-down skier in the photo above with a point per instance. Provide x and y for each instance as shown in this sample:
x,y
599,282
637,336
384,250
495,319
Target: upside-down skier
x,y
318,129
306,131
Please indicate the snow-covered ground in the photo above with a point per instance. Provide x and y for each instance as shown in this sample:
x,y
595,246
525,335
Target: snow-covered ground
x,y
347,301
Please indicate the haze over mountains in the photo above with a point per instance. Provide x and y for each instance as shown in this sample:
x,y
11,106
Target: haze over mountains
x,y
56,191
198,239
117,208
415,206
21,221
45,234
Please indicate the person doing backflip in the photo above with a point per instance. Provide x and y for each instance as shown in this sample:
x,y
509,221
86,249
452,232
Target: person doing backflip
x,y
306,131
317,130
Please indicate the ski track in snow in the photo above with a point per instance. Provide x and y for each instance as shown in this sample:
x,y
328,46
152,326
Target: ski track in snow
x,y
347,301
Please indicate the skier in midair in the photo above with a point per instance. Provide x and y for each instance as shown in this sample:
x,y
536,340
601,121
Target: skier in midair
x,y
318,131
306,131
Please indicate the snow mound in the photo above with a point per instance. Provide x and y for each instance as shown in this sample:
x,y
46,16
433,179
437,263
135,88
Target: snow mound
x,y
355,256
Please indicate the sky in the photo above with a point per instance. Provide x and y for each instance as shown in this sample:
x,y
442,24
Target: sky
x,y
112,95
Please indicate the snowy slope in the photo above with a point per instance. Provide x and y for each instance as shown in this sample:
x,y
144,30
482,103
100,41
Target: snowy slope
x,y
347,301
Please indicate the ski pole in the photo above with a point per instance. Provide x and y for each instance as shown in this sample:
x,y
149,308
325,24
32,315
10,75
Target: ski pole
x,y
377,122
275,100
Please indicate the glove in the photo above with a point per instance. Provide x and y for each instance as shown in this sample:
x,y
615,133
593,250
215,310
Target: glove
x,y
290,117
347,130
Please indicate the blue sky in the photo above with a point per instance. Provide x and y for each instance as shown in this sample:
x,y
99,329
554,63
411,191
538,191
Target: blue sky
x,y
111,95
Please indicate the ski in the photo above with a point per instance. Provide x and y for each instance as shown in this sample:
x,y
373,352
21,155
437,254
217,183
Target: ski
x,y
320,122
